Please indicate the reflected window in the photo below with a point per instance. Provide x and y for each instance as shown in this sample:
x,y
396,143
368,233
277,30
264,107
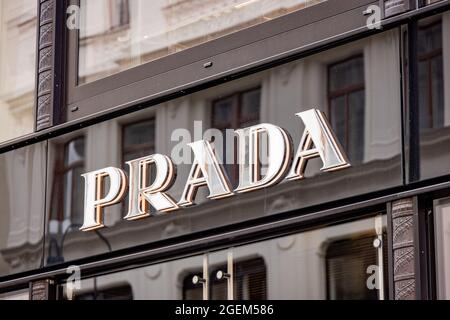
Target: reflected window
x,y
334,262
442,247
122,293
428,2
138,140
346,94
431,76
347,262
66,212
120,13
250,282
69,185
240,110
18,25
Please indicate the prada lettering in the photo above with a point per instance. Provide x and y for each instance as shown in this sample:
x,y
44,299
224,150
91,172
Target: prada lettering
x,y
318,141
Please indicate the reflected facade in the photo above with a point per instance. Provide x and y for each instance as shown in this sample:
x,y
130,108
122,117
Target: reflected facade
x,y
356,85
434,95
337,262
375,229
18,25
22,177
116,35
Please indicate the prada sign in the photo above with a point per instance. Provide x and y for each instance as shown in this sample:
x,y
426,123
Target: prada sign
x,y
318,141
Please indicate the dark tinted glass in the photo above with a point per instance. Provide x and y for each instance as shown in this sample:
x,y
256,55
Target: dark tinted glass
x,y
364,109
116,35
347,74
336,262
139,133
250,109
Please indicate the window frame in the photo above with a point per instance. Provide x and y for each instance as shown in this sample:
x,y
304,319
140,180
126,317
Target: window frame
x,y
176,73
119,25
238,266
428,58
236,111
62,170
123,127
345,92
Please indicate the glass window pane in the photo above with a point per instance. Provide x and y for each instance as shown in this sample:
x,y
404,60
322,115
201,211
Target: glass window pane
x,y
15,296
356,134
338,119
366,119
250,108
424,96
18,67
223,113
430,38
333,262
442,238
139,134
74,152
437,71
347,74
347,263
434,96
116,35
78,196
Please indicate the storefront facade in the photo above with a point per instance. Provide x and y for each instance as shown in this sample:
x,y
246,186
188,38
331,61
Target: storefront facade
x,y
90,85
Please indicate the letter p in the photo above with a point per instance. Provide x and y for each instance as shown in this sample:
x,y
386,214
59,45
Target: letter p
x,y
96,199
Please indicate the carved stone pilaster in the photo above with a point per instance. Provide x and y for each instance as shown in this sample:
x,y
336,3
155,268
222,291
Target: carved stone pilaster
x,y
404,249
45,74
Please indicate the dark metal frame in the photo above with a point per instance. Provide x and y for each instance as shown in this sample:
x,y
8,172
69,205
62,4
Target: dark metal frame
x,y
236,111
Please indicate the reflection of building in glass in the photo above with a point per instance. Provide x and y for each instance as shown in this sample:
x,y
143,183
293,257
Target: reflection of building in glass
x,y
66,211
21,229
431,75
250,282
272,96
301,266
346,84
347,263
434,93
328,236
117,35
120,13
